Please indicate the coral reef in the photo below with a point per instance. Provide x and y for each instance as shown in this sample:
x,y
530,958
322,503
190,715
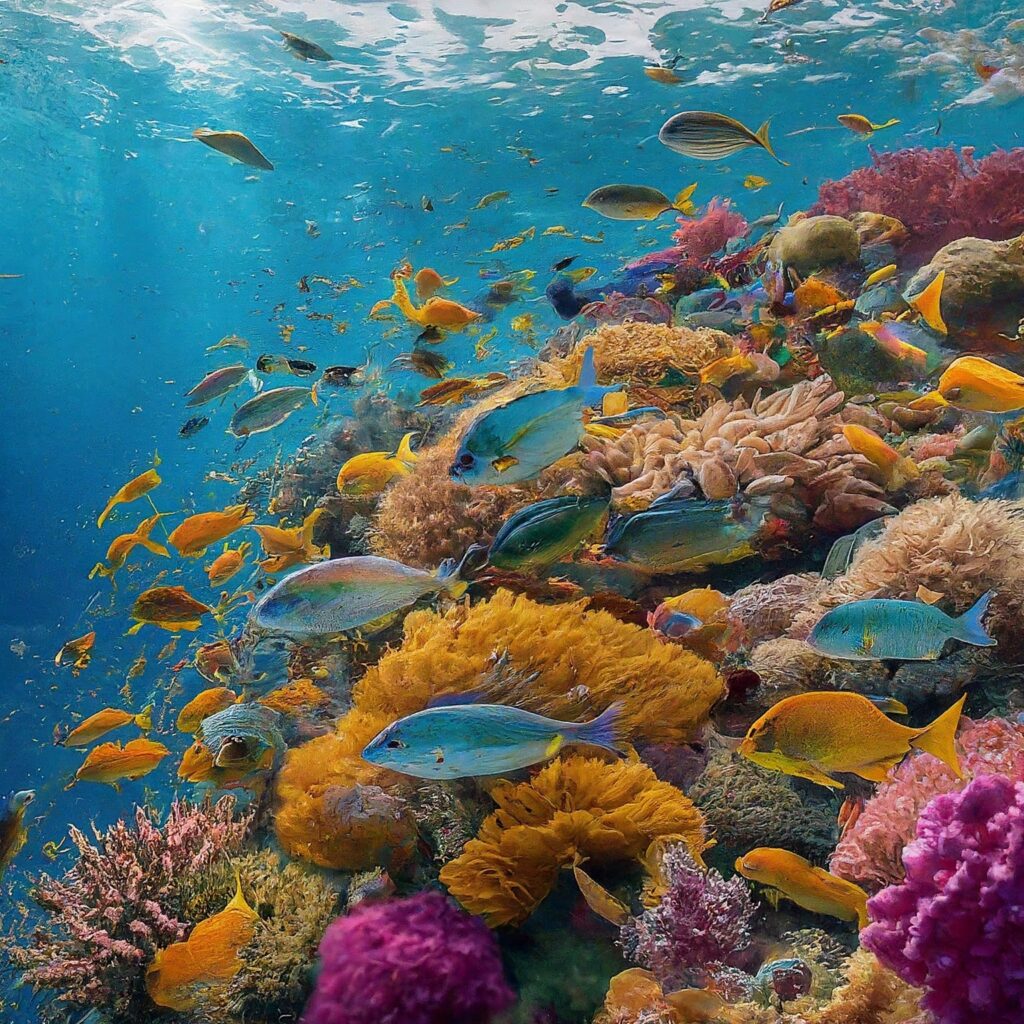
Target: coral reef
x,y
813,243
119,904
953,926
700,924
417,960
709,233
574,806
871,849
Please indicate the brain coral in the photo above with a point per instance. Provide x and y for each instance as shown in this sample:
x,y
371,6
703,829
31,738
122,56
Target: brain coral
x,y
575,805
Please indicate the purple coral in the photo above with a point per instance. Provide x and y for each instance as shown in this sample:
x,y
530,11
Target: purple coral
x,y
418,960
955,925
112,911
710,232
938,194
701,923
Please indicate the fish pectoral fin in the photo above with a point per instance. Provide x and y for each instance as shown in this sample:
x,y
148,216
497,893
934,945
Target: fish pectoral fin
x,y
506,462
555,745
879,771
806,770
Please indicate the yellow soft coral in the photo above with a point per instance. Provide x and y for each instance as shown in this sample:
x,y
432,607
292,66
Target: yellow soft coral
x,y
607,813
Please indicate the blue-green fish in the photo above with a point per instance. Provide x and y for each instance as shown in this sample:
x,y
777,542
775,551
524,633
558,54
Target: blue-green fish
x,y
540,534
686,536
343,594
269,408
901,630
463,741
514,442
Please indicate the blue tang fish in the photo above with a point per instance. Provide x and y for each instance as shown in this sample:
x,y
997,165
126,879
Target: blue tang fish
x,y
514,442
465,740
901,630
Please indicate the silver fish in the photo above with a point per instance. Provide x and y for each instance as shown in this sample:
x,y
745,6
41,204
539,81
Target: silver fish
x,y
215,384
235,145
304,48
703,135
265,411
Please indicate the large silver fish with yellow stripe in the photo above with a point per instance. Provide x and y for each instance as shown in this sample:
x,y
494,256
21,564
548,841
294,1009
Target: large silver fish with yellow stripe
x,y
703,135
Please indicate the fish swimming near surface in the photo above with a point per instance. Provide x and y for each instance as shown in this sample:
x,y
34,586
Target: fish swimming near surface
x,y
170,608
13,833
284,547
191,537
637,202
123,545
216,384
514,442
468,740
203,705
110,762
544,532
136,488
269,409
235,145
686,536
345,594
105,721
234,746
703,135
882,628
810,887
862,126
371,472
818,735
304,49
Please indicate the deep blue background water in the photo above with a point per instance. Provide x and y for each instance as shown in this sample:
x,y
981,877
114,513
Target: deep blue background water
x,y
140,247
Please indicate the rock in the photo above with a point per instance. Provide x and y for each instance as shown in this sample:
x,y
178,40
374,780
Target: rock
x,y
984,286
814,243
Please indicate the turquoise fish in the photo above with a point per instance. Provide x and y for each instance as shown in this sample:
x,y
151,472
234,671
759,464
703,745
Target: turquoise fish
x,y
540,534
686,536
882,628
464,741
266,410
216,384
514,442
343,594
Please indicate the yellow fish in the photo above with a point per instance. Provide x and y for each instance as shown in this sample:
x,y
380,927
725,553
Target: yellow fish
x,y
428,281
105,721
581,274
881,275
929,304
975,384
435,312
558,229
285,547
721,370
491,197
898,469
666,76
136,488
296,698
815,735
862,126
123,545
77,651
194,535
755,181
228,341
598,898
110,762
812,888
182,975
371,472
480,350
514,242
227,563
202,705
170,608
235,145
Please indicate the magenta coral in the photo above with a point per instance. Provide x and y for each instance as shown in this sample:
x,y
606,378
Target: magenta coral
x,y
870,851
710,232
419,960
111,912
701,923
955,925
938,194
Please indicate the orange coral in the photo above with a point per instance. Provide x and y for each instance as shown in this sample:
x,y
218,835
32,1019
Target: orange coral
x,y
575,806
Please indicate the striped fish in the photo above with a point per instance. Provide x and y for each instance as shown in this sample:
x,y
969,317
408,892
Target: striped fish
x,y
706,136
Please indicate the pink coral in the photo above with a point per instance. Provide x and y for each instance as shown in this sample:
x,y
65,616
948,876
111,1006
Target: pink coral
x,y
870,851
117,905
710,232
938,194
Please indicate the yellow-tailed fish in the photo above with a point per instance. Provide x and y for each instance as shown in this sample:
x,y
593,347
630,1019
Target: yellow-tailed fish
x,y
580,274
195,534
110,762
136,488
235,145
703,135
898,469
929,303
818,735
862,126
123,545
286,547
636,202
371,472
810,887
976,384
105,721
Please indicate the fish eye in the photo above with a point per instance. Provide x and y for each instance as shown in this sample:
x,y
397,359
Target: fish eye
x,y
396,744
466,459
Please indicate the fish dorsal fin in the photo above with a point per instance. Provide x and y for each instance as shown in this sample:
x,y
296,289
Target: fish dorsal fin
x,y
308,524
238,901
404,453
453,700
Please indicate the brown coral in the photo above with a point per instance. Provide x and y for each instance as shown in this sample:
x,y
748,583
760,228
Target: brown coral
x,y
608,813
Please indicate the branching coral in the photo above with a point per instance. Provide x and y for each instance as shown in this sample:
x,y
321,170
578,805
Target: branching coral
x,y
954,925
417,960
871,849
119,904
939,194
707,234
700,924
575,806
764,610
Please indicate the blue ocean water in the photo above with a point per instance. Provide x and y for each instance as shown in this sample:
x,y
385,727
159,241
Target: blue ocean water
x,y
135,247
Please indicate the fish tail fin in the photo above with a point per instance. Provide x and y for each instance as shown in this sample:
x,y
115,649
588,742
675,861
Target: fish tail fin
x,y
135,629
861,906
313,396
938,739
762,137
449,576
144,719
156,549
607,730
593,393
401,299
970,628
892,122
405,453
